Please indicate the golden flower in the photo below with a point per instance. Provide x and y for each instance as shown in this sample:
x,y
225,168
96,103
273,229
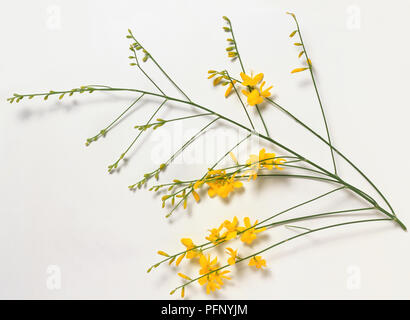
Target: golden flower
x,y
265,93
257,261
220,184
231,228
249,235
207,265
253,97
213,280
218,276
192,253
277,162
232,255
264,160
215,236
251,80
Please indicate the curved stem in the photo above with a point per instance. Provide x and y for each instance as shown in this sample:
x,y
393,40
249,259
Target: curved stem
x,y
263,121
104,131
159,67
279,243
334,148
361,194
259,223
115,164
184,146
240,100
273,224
317,92
235,44
143,71
216,163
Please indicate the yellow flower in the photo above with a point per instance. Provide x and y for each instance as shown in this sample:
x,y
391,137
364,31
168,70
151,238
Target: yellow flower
x,y
249,235
221,184
231,228
265,93
253,174
264,160
232,256
251,80
230,87
207,265
213,280
253,97
253,164
277,162
219,275
215,236
257,261
192,253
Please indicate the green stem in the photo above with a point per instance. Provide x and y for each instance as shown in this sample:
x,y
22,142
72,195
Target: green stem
x,y
273,224
259,223
184,146
333,148
143,71
317,91
235,44
239,97
115,164
159,67
235,146
263,121
177,119
282,242
226,119
297,227
108,128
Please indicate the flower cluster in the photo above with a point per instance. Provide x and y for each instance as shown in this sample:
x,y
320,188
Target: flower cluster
x,y
220,182
211,273
254,93
263,160
253,85
224,181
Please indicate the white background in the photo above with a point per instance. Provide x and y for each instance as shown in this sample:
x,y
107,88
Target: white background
x,y
59,207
